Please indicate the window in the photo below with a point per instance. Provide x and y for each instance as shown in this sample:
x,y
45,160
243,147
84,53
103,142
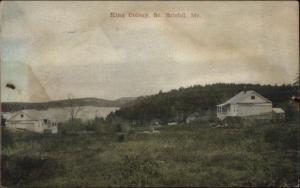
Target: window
x,y
252,97
22,115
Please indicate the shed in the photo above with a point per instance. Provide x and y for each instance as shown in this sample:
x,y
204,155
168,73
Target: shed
x,y
278,113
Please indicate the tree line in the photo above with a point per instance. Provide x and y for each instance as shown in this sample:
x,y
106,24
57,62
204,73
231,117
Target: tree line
x,y
167,106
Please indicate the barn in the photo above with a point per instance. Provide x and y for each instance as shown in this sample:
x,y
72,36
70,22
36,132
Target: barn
x,y
246,103
31,122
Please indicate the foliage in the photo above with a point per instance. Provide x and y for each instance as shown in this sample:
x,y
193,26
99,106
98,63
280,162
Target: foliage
x,y
7,138
176,105
263,154
113,152
136,170
283,136
22,170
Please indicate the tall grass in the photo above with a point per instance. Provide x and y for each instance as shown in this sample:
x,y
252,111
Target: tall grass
x,y
94,154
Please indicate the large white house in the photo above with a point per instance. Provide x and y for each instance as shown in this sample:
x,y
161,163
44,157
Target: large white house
x,y
31,122
245,103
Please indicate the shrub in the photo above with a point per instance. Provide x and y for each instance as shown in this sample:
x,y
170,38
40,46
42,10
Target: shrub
x,y
7,138
282,136
121,137
24,170
136,170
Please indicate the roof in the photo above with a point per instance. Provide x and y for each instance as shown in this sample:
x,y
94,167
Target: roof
x,y
278,110
6,115
241,96
30,114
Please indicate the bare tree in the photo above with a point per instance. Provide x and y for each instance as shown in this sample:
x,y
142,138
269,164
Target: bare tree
x,y
73,108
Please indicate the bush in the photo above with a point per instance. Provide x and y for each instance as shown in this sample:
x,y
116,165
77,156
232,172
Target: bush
x,y
121,137
7,138
282,136
136,170
24,170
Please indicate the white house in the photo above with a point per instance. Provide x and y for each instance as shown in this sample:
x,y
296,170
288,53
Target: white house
x,y
245,103
31,122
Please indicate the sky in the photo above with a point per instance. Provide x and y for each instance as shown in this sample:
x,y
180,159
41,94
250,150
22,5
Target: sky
x,y
51,49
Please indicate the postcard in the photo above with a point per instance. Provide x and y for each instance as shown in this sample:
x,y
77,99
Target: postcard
x,y
149,93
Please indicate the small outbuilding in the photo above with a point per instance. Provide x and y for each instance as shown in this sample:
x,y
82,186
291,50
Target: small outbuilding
x,y
31,122
278,113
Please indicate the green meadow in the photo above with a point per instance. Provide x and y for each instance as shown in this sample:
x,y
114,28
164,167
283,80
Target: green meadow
x,y
257,153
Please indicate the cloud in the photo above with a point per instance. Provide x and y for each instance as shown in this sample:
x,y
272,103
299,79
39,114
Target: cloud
x,y
78,48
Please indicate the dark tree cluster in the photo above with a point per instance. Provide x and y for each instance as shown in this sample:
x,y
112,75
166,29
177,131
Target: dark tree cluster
x,y
167,106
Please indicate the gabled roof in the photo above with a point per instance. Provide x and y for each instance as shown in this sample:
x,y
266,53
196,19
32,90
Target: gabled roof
x,y
241,96
30,114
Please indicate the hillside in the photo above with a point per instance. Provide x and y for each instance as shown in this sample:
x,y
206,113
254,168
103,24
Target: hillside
x,y
165,106
15,106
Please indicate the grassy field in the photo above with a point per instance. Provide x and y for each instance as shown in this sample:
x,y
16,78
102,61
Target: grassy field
x,y
264,154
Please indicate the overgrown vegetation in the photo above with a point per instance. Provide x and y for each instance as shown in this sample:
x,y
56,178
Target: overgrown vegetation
x,y
23,170
119,152
198,154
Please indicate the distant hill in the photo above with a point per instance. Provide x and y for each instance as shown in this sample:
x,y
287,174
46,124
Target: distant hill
x,y
15,106
121,102
167,106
